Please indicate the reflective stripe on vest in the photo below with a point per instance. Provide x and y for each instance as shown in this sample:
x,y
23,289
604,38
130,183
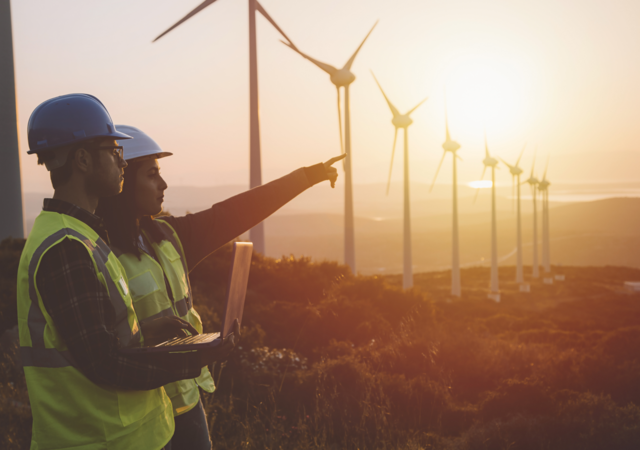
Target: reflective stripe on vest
x,y
186,303
153,282
69,410
39,356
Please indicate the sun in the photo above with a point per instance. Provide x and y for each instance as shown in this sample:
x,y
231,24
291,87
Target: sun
x,y
486,92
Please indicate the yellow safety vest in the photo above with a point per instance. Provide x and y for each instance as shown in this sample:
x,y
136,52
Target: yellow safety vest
x,y
151,300
69,410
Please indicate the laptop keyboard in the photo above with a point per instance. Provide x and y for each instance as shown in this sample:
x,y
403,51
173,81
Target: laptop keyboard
x,y
197,339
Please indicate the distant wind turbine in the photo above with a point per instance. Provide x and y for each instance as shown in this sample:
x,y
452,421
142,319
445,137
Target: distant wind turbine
x,y
343,78
533,183
256,234
543,187
516,171
452,146
492,163
403,121
11,205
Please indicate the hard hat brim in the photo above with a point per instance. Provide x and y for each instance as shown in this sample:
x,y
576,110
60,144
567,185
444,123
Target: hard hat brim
x,y
115,135
150,156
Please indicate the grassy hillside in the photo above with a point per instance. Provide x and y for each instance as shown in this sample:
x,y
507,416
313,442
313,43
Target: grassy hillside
x,y
330,360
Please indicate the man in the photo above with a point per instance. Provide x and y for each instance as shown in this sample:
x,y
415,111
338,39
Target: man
x,y
74,306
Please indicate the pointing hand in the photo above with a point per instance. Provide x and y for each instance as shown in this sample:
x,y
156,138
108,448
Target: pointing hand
x,y
332,172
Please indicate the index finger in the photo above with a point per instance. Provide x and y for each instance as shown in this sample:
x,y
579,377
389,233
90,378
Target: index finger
x,y
336,159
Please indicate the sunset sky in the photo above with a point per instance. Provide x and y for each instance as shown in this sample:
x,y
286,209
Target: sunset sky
x,y
561,74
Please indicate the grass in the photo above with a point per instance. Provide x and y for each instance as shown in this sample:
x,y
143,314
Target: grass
x,y
332,360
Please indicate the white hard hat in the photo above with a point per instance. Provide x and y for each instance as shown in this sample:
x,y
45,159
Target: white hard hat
x,y
141,144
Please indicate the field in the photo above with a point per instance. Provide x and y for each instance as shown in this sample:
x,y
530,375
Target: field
x,y
332,360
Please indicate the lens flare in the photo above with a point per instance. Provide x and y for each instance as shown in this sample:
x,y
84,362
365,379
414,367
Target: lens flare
x,y
480,184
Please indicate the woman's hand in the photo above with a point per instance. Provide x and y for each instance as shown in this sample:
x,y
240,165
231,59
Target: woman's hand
x,y
332,172
164,328
221,352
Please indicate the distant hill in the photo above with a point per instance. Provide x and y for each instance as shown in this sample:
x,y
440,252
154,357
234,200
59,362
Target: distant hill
x,y
603,232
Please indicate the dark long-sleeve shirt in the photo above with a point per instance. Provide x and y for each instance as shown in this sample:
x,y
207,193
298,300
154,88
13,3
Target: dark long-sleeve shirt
x,y
84,316
79,304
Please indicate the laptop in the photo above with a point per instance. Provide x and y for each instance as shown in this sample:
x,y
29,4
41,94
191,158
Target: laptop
x,y
233,308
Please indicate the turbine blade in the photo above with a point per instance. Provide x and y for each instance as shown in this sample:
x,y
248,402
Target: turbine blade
x,y
486,146
353,57
533,164
507,164
393,150
266,15
544,176
416,107
446,115
340,126
513,192
326,67
393,109
197,9
521,153
437,170
475,197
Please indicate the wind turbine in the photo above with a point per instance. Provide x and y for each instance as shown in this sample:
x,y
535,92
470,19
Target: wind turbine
x,y
516,171
543,187
12,223
533,182
403,121
488,161
343,78
256,234
452,146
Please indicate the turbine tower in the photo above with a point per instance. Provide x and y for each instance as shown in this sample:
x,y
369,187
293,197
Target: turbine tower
x,y
452,146
403,121
533,183
543,187
492,163
516,171
12,223
343,78
256,234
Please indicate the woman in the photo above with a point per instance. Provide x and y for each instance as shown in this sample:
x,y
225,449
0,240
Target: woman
x,y
157,253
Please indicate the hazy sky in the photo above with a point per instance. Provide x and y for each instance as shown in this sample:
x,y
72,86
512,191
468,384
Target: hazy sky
x,y
559,74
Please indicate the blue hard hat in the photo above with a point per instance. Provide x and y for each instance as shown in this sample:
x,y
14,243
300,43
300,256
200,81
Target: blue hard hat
x,y
141,145
69,119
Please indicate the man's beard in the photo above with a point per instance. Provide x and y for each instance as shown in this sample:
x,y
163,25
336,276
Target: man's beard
x,y
102,184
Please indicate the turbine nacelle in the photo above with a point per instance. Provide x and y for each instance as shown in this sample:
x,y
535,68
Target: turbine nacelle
x,y
543,185
490,162
402,121
450,146
515,171
533,181
342,77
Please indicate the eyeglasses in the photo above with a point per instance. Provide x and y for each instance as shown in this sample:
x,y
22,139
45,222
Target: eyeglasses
x,y
117,150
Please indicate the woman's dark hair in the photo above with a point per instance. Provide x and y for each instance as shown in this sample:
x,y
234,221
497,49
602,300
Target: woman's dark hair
x,y
121,219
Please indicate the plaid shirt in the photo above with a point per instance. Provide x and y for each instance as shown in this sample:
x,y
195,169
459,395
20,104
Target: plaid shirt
x,y
84,317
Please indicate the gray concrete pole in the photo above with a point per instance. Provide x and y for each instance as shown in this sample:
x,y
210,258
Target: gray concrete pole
x,y
256,234
519,274
349,228
11,206
455,250
407,278
536,269
495,288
